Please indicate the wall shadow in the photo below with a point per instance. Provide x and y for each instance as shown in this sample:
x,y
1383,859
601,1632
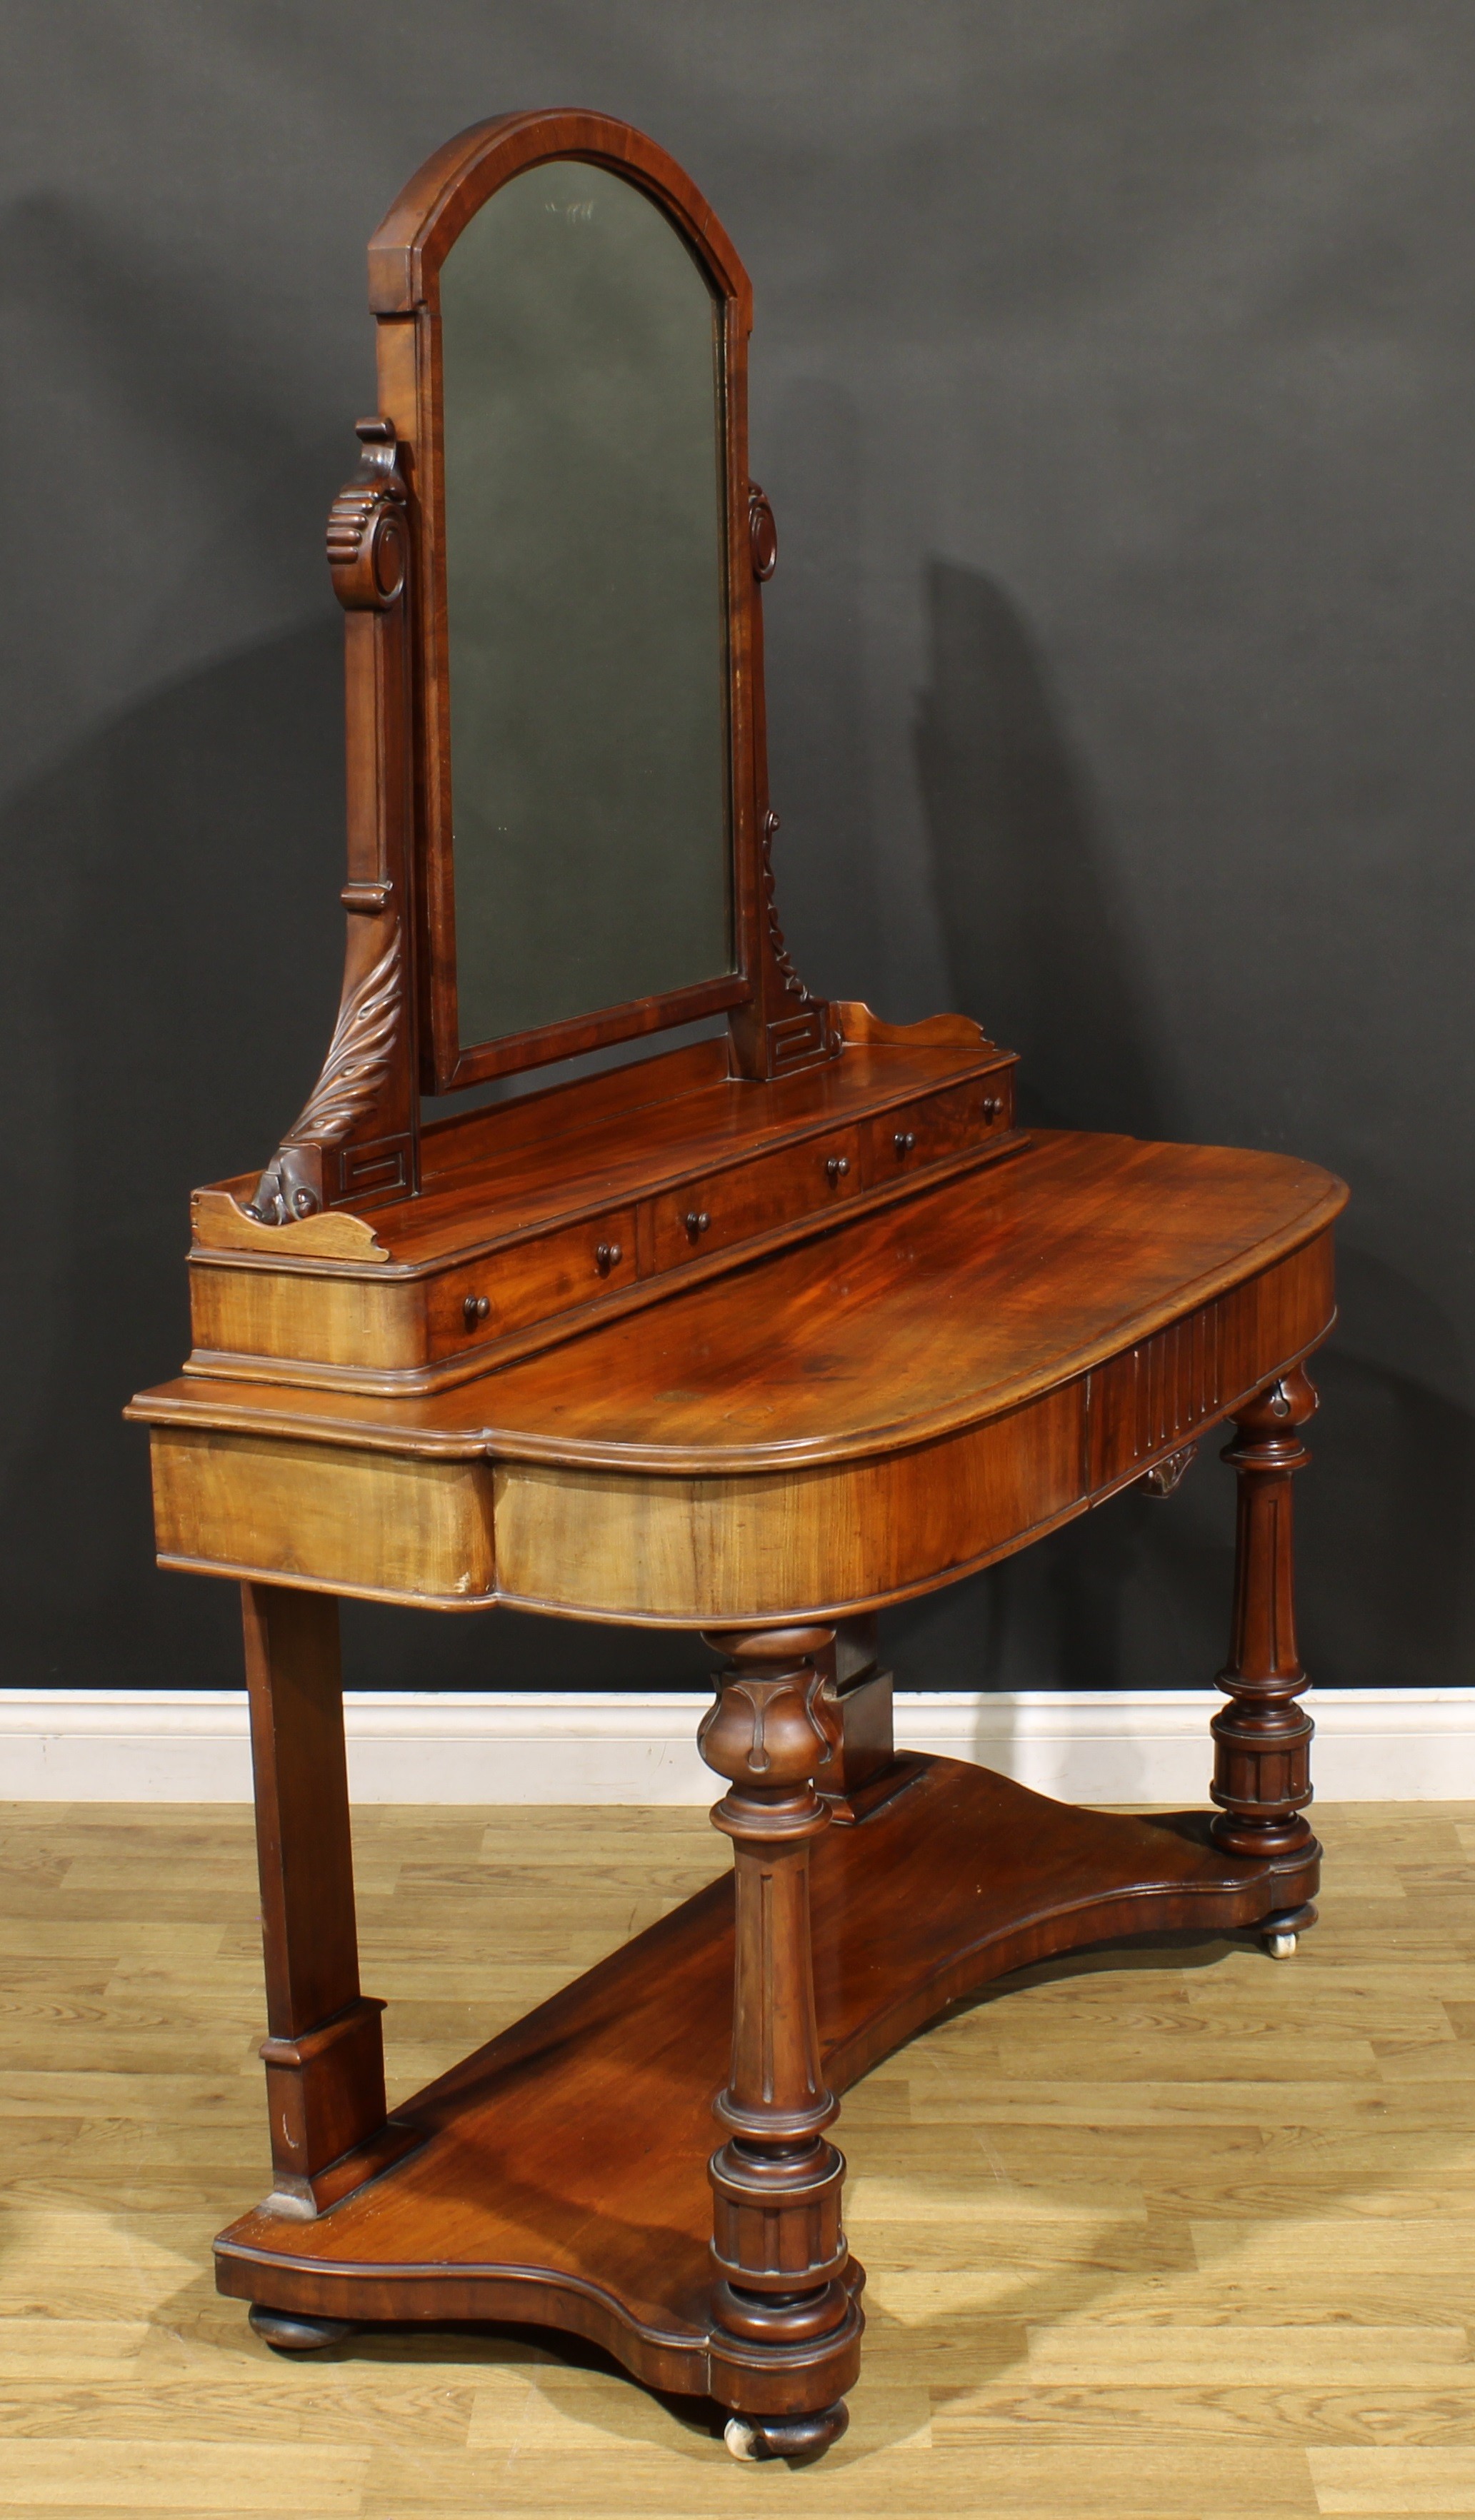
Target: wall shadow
x,y
1040,953
167,982
1384,1514
1136,1595
172,959
1039,940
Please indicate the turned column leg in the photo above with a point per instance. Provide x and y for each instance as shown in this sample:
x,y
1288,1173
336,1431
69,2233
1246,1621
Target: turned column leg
x,y
787,2332
324,2057
1262,1772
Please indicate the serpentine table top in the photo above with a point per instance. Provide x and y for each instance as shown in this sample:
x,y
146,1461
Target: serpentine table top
x,y
769,1444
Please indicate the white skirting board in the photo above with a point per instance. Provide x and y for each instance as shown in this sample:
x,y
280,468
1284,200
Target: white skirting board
x,y
1151,1746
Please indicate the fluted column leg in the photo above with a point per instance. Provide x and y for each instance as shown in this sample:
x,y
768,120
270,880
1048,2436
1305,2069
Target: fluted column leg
x,y
787,2334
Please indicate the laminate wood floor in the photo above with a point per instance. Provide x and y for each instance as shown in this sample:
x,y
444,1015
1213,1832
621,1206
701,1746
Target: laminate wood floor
x,y
1172,2234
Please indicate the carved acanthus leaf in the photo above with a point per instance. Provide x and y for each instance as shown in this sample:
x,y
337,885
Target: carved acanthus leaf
x,y
794,986
359,1052
1167,1474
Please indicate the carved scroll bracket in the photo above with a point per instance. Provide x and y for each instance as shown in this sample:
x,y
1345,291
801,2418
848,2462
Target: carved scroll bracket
x,y
368,538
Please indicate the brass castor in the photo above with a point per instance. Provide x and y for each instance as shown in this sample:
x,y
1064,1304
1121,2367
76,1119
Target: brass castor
x,y
795,2437
1281,1947
291,2331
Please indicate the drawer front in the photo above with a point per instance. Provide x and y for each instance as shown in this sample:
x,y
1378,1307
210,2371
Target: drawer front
x,y
939,1125
776,1190
530,1282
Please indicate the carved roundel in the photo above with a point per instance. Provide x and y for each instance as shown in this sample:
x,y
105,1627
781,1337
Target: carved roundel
x,y
762,534
389,556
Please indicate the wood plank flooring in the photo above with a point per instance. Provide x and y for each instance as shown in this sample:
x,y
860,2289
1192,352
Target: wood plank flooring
x,y
1181,2234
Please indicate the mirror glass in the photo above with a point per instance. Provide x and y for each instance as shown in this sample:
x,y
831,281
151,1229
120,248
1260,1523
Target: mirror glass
x,y
586,586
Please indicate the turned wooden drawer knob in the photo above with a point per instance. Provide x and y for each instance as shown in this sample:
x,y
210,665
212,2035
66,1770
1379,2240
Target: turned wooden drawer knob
x,y
904,1141
697,1221
475,1309
837,1166
607,1256
993,1105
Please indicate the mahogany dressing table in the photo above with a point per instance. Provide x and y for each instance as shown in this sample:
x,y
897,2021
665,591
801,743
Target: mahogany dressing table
x,y
751,1335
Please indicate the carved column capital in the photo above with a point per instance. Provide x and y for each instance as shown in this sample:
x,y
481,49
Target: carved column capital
x,y
772,1729
1267,1429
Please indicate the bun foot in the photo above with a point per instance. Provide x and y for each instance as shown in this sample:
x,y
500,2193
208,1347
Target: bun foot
x,y
292,2332
793,2437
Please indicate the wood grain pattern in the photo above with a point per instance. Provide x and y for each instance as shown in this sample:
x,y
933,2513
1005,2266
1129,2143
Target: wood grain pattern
x,y
1009,1282
496,1221
509,2210
324,2052
1131,2223
691,1551
219,1221
343,1521
835,1428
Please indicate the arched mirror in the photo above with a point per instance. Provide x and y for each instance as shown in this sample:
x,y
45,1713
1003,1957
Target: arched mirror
x,y
586,635
563,345
550,560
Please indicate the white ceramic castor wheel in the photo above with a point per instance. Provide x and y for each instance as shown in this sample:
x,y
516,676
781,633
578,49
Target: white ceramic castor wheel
x,y
797,2438
1281,1946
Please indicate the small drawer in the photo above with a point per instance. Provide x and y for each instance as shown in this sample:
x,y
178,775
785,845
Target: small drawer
x,y
942,1124
530,1282
751,1198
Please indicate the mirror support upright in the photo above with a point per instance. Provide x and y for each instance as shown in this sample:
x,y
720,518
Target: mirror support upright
x,y
355,1140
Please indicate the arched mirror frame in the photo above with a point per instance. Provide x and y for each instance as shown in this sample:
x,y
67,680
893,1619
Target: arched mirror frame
x,y
355,1142
405,259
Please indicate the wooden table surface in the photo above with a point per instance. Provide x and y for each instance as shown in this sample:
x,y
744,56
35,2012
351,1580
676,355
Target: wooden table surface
x,y
904,1325
903,1399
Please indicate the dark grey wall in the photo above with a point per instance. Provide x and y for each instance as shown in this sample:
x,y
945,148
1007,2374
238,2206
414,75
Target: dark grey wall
x,y
1113,384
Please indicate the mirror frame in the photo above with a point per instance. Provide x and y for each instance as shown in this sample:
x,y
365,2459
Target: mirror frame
x,y
405,258
356,1144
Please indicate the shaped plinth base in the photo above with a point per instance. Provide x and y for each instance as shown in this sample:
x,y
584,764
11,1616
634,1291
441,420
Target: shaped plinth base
x,y
559,2175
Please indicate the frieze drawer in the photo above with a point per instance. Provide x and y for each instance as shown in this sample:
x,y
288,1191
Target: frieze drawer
x,y
775,1189
529,1281
939,1125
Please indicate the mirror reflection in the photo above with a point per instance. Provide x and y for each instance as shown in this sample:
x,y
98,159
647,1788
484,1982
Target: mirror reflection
x,y
585,543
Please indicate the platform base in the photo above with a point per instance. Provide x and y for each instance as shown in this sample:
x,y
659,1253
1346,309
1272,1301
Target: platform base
x,y
558,2176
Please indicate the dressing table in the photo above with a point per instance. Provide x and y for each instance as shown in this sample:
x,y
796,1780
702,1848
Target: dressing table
x,y
751,1333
